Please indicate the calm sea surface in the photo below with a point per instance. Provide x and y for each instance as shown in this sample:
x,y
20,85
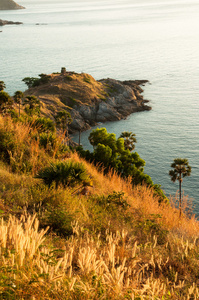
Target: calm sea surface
x,y
128,39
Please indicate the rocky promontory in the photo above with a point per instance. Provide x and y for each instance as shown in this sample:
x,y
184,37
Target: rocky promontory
x,y
5,22
9,4
89,101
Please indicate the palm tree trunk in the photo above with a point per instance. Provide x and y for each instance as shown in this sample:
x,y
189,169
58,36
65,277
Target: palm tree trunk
x,y
79,137
180,196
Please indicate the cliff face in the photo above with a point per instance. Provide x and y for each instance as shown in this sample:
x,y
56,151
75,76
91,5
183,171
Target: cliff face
x,y
89,101
9,4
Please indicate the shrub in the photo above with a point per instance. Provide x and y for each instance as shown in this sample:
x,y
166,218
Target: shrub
x,y
43,124
59,220
52,144
34,81
64,173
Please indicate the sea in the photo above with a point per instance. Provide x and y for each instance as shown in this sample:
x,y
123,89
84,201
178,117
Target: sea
x,y
157,40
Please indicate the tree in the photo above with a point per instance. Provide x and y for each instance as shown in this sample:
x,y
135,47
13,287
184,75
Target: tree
x,y
6,101
2,85
33,105
18,99
31,81
180,170
110,152
34,81
129,140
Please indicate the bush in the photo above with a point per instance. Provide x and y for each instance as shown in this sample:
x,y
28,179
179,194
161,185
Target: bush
x,y
52,144
34,81
65,174
59,220
43,124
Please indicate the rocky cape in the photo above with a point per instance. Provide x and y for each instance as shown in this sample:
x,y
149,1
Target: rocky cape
x,y
5,22
9,4
89,101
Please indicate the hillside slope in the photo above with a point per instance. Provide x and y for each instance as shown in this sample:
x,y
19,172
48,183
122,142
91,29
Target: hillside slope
x,y
115,242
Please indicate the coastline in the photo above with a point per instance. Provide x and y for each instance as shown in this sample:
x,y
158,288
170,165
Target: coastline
x,y
89,101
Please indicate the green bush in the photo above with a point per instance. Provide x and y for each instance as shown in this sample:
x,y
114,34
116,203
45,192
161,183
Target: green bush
x,y
43,124
65,174
34,81
7,144
147,228
51,143
59,220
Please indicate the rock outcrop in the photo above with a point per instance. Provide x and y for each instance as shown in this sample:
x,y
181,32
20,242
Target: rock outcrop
x,y
5,22
89,101
9,4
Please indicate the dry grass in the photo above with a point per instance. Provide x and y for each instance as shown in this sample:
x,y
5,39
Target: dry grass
x,y
89,268
152,255
142,199
21,148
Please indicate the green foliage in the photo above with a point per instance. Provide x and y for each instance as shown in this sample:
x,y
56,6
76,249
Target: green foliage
x,y
65,174
58,219
32,104
114,201
181,169
6,101
13,153
148,227
18,96
31,81
44,78
7,144
129,140
43,124
2,85
111,208
110,152
50,142
34,81
62,119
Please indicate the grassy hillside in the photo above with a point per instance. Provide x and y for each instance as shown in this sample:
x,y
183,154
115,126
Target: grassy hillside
x,y
116,241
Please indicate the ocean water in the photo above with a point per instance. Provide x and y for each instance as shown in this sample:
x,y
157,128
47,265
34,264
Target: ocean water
x,y
156,40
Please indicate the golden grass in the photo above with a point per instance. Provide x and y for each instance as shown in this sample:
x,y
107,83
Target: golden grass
x,y
119,265
89,268
142,199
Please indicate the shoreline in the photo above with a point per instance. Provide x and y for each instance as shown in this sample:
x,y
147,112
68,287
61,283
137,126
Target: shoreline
x,y
89,101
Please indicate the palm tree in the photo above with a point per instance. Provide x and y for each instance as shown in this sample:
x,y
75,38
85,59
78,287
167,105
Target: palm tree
x,y
18,99
129,140
180,170
63,119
